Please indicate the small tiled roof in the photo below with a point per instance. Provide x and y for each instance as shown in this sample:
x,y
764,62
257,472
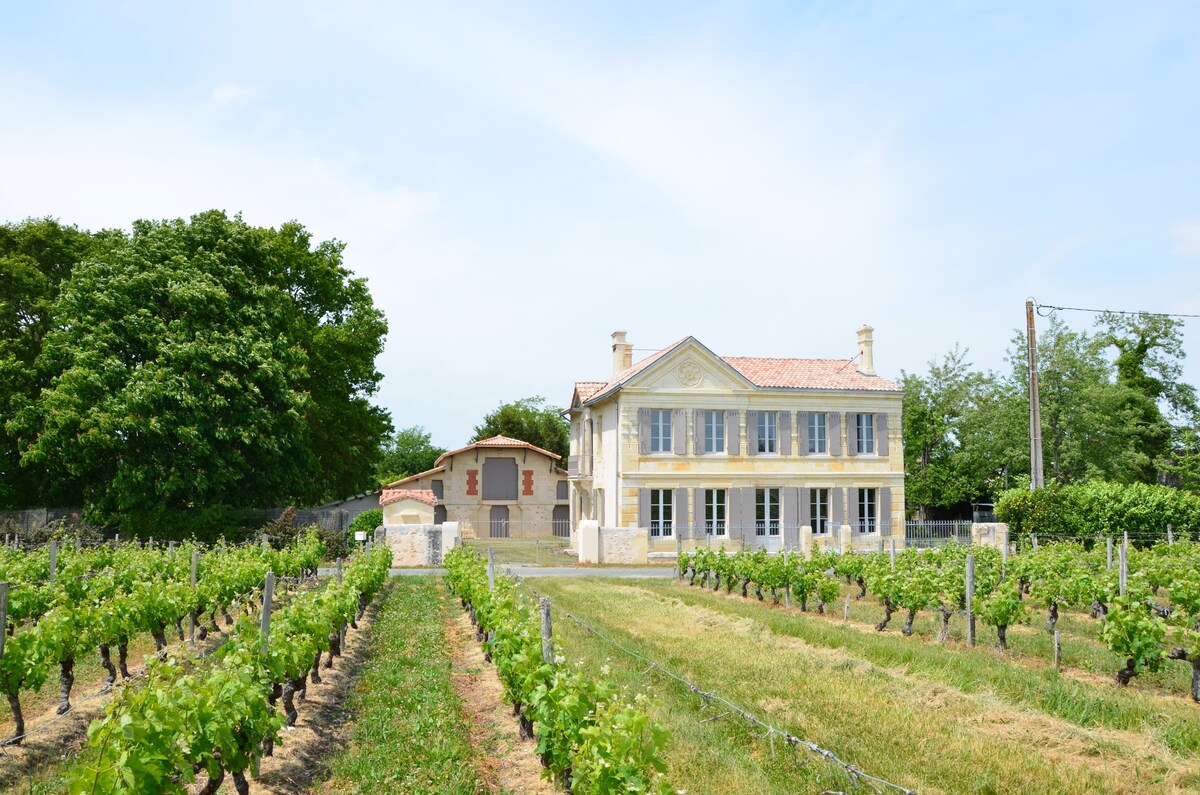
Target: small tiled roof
x,y
839,374
808,374
498,441
396,495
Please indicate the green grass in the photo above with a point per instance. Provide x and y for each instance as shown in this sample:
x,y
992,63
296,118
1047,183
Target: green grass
x,y
547,551
933,718
408,735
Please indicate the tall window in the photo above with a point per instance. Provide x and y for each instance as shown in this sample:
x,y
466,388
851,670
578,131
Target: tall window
x,y
660,430
768,432
816,432
714,431
766,512
866,433
714,512
818,510
661,512
867,511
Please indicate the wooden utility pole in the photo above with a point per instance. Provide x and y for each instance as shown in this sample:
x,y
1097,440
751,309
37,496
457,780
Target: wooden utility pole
x,y
1036,480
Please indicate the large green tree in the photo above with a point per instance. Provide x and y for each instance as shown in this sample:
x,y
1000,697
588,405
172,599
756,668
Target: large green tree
x,y
207,363
529,420
36,257
405,453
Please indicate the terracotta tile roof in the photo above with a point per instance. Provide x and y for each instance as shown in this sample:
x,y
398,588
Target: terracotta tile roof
x,y
585,389
808,374
840,374
498,441
411,478
396,495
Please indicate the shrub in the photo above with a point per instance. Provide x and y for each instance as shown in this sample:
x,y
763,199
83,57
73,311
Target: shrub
x,y
366,522
1100,508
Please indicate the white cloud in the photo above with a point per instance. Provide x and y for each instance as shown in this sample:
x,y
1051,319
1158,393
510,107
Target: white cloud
x,y
232,94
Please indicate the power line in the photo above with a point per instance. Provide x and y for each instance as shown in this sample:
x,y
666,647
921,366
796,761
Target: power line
x,y
1053,309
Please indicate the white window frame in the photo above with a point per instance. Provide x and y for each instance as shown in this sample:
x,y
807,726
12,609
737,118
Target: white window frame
x,y
766,506
868,510
768,432
714,432
662,513
660,431
716,512
818,437
866,434
818,510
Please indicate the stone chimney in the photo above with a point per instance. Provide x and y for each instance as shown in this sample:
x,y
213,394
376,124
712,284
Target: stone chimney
x,y
622,353
866,350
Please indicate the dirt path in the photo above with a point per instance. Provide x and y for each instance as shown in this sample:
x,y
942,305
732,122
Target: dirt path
x,y
506,763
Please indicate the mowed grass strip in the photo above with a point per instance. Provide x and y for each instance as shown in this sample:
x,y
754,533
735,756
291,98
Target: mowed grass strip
x,y
1173,722
912,730
408,734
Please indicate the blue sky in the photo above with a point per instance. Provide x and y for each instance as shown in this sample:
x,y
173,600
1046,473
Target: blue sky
x,y
516,181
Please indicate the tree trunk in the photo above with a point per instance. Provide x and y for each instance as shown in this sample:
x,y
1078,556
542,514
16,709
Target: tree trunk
x,y
691,575
268,744
179,628
944,632
1182,654
1098,609
1052,616
703,580
214,783
201,631
123,657
820,605
908,622
804,603
758,591
716,581
315,673
888,609
289,705
774,596
862,586
1002,634
212,617
745,585
1127,673
240,784
14,702
66,680
106,661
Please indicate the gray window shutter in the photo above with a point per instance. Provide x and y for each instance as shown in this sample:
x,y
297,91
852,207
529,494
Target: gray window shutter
x,y
643,508
733,512
679,432
679,513
785,432
791,516
802,432
805,507
698,513
851,434
837,512
748,514
852,506
833,432
885,510
644,431
733,442
751,433
698,431
881,433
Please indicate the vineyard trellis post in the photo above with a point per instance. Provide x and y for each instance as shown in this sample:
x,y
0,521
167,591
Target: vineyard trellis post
x,y
3,616
970,593
268,592
1033,538
77,544
547,631
893,553
1057,650
342,628
266,543
192,619
491,570
846,610
53,559
1123,574
1004,557
1109,540
787,586
1170,536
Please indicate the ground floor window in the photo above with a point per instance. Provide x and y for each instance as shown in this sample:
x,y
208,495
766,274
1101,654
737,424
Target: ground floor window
x,y
818,510
498,521
661,512
766,512
714,512
868,510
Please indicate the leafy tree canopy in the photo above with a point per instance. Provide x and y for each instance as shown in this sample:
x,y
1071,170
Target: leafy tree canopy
x,y
529,420
408,452
206,363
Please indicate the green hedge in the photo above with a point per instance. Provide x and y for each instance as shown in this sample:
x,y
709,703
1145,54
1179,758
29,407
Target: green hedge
x,y
1101,509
